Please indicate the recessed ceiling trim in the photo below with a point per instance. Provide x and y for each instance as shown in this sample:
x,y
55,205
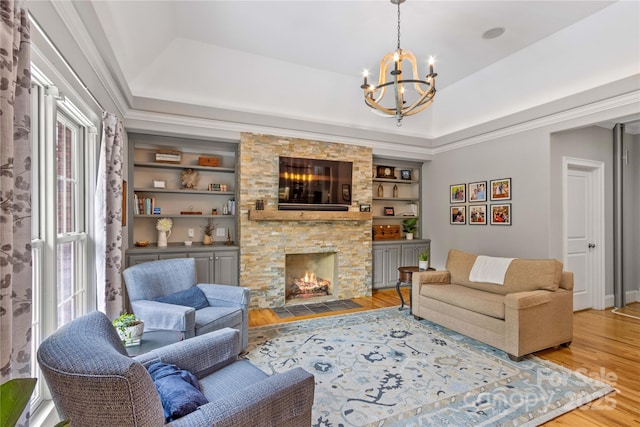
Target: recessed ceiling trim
x,y
629,101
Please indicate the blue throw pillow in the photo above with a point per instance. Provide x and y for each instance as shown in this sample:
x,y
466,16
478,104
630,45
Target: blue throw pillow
x,y
179,390
192,297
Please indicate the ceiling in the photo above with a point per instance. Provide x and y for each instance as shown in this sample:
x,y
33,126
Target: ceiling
x,y
303,59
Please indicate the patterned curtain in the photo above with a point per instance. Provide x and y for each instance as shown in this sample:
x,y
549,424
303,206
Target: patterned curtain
x,y
109,218
15,191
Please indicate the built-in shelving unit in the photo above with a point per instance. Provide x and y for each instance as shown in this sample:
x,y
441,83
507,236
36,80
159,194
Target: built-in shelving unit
x,y
189,208
402,195
396,185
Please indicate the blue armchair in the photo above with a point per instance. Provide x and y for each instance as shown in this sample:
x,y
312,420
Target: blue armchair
x,y
161,293
94,383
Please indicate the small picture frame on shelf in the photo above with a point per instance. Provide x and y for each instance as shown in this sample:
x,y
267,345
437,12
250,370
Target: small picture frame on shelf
x,y
405,174
365,207
457,215
389,211
159,184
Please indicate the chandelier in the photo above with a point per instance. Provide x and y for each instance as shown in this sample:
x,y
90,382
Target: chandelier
x,y
410,95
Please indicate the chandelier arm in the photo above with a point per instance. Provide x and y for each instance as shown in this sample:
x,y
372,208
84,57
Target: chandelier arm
x,y
420,104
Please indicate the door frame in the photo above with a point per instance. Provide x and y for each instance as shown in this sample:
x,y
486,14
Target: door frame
x,y
597,226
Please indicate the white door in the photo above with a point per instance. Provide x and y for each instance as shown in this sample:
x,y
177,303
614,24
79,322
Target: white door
x,y
583,225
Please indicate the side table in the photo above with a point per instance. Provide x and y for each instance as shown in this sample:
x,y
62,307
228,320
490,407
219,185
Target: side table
x,y
154,339
406,277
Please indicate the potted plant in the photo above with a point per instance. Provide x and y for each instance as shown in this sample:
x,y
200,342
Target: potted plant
x,y
409,226
129,329
423,260
208,230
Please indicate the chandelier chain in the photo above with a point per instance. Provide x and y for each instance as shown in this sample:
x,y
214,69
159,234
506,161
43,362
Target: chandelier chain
x,y
399,25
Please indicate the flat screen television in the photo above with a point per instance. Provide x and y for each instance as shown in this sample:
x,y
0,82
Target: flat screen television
x,y
314,184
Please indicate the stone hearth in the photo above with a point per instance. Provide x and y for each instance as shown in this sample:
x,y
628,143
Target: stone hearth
x,y
264,244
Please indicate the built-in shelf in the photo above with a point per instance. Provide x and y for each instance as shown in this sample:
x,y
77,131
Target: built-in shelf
x,y
396,181
174,215
394,216
277,215
176,166
184,191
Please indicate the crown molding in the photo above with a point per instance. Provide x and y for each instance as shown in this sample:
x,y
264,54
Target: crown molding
x,y
173,124
591,114
118,91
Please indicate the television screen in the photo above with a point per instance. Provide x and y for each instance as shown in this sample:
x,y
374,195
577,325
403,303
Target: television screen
x,y
314,184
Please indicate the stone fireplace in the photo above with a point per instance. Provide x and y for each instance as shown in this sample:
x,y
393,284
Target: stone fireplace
x,y
310,277
264,244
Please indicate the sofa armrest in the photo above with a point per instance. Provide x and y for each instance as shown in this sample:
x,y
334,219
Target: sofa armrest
x,y
277,400
431,277
225,295
163,316
523,300
200,355
566,281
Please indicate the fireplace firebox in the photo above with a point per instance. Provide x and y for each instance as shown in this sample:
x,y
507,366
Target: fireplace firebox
x,y
310,276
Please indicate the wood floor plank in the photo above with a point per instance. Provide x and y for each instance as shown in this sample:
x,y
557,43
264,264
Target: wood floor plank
x,y
605,346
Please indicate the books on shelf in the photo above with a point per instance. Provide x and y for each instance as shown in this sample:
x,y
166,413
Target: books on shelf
x,y
145,205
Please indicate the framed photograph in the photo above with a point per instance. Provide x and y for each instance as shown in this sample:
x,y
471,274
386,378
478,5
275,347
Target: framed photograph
x,y
389,211
365,207
478,215
501,214
346,192
457,215
405,174
500,189
478,191
458,193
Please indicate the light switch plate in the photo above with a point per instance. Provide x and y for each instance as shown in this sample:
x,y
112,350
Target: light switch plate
x,y
221,232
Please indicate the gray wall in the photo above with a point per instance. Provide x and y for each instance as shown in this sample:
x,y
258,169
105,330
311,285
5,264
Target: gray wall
x,y
533,160
525,159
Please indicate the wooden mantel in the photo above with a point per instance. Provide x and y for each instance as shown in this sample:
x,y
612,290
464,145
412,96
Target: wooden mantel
x,y
277,215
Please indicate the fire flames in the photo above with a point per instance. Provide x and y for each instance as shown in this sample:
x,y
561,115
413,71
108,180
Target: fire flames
x,y
309,286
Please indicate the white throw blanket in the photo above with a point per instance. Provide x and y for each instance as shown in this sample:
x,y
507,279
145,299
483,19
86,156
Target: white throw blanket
x,y
489,269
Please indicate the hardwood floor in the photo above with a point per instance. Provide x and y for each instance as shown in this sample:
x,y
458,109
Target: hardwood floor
x,y
605,346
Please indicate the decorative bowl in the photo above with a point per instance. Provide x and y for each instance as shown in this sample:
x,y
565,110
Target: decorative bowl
x,y
142,244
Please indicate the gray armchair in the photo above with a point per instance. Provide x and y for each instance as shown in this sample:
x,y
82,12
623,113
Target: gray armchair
x,y
94,383
225,306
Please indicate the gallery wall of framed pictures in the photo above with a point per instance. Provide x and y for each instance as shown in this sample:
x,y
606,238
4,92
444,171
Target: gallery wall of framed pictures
x,y
468,203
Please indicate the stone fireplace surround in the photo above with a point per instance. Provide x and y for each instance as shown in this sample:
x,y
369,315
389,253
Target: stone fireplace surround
x,y
265,243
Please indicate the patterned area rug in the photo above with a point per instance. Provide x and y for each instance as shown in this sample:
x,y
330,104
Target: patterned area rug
x,y
383,368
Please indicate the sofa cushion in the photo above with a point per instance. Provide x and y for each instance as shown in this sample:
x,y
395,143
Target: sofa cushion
x,y
523,275
487,303
192,297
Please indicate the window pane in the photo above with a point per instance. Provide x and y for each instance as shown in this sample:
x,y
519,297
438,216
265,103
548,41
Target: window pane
x,y
67,172
66,272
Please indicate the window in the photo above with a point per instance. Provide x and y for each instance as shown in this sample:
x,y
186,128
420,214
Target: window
x,y
64,165
71,236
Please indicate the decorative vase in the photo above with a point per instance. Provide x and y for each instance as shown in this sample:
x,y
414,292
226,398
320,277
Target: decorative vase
x,y
162,238
131,335
207,240
409,236
423,265
380,191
